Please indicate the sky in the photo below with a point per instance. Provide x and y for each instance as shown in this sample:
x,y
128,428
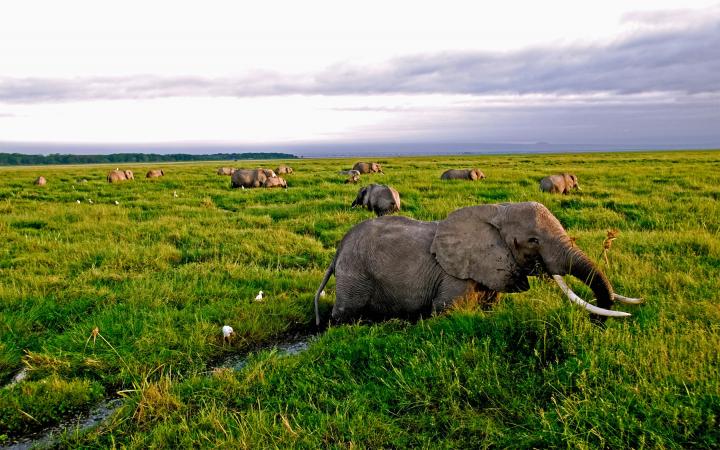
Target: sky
x,y
88,76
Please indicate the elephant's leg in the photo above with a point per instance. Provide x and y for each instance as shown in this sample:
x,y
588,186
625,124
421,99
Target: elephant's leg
x,y
450,289
352,297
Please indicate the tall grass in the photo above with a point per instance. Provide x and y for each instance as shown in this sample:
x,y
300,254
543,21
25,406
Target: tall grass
x,y
158,275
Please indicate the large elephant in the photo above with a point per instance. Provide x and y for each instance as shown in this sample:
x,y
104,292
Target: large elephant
x,y
251,178
559,184
462,174
368,167
273,182
225,171
120,175
378,198
394,266
155,173
284,170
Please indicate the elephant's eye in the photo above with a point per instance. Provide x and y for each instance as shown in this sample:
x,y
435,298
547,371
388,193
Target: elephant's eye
x,y
533,240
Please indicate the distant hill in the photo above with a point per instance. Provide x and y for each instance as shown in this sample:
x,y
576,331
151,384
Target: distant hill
x,y
19,159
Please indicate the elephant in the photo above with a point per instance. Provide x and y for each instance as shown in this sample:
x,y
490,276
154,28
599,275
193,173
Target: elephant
x,y
120,175
350,172
155,173
284,170
394,266
249,178
273,182
352,178
378,198
560,183
462,174
368,167
40,181
225,171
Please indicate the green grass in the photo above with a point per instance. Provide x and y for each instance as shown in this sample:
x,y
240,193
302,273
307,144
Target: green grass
x,y
159,275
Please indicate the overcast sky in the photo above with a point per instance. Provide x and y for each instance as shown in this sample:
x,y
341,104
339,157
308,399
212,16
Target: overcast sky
x,y
614,73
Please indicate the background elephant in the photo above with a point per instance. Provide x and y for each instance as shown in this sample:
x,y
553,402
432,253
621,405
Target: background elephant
x,y
116,176
275,182
283,170
463,174
225,171
353,179
378,198
155,173
399,267
350,172
367,167
40,181
250,178
129,175
559,184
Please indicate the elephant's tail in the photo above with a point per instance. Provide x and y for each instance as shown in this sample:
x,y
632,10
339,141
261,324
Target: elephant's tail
x,y
328,273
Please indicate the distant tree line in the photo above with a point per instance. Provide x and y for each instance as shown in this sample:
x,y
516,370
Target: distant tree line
x,y
18,159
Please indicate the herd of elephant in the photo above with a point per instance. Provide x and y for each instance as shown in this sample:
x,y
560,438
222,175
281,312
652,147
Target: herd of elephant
x,y
394,266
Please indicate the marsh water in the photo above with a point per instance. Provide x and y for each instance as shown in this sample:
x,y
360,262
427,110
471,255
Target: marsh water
x,y
80,423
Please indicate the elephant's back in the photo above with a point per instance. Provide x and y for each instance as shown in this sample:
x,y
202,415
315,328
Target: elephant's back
x,y
454,174
362,167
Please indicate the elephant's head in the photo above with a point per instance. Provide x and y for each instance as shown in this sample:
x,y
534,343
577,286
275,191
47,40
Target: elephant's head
x,y
571,181
375,167
499,246
362,198
476,174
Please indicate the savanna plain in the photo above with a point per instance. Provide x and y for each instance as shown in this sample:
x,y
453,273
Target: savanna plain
x,y
125,298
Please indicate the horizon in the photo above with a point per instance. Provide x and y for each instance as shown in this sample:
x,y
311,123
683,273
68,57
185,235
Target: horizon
x,y
622,74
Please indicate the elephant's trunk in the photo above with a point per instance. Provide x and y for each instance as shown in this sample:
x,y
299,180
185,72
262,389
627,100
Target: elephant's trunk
x,y
567,259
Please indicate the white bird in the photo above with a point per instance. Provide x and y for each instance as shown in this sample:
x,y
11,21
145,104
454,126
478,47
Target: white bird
x,y
90,201
242,187
78,201
259,297
117,202
175,194
227,332
322,293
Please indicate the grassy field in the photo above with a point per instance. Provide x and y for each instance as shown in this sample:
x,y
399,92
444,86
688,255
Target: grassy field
x,y
157,275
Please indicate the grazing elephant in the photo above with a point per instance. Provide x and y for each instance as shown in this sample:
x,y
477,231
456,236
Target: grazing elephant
x,y
378,198
40,181
250,178
225,171
284,170
275,182
559,184
463,174
349,172
120,175
155,173
368,167
395,266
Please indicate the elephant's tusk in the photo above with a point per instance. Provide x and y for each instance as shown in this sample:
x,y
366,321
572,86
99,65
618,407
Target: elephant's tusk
x,y
628,300
592,308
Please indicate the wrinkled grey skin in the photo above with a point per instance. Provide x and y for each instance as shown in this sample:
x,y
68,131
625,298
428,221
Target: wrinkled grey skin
x,y
367,167
250,178
284,170
352,179
463,174
350,172
559,184
155,173
394,266
120,175
225,171
40,181
378,198
275,182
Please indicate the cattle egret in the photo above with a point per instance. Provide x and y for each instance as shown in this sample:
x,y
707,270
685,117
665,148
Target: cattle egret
x,y
175,194
117,202
322,293
259,297
78,201
227,332
90,201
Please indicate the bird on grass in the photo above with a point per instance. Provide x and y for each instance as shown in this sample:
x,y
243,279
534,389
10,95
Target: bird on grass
x,y
322,293
227,332
117,202
259,297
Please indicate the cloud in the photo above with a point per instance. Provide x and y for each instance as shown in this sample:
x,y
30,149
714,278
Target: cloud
x,y
668,60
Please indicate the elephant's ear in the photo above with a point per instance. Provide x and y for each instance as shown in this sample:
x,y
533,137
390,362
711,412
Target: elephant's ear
x,y
468,245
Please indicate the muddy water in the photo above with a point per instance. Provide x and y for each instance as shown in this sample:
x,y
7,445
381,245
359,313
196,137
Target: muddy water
x,y
85,422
